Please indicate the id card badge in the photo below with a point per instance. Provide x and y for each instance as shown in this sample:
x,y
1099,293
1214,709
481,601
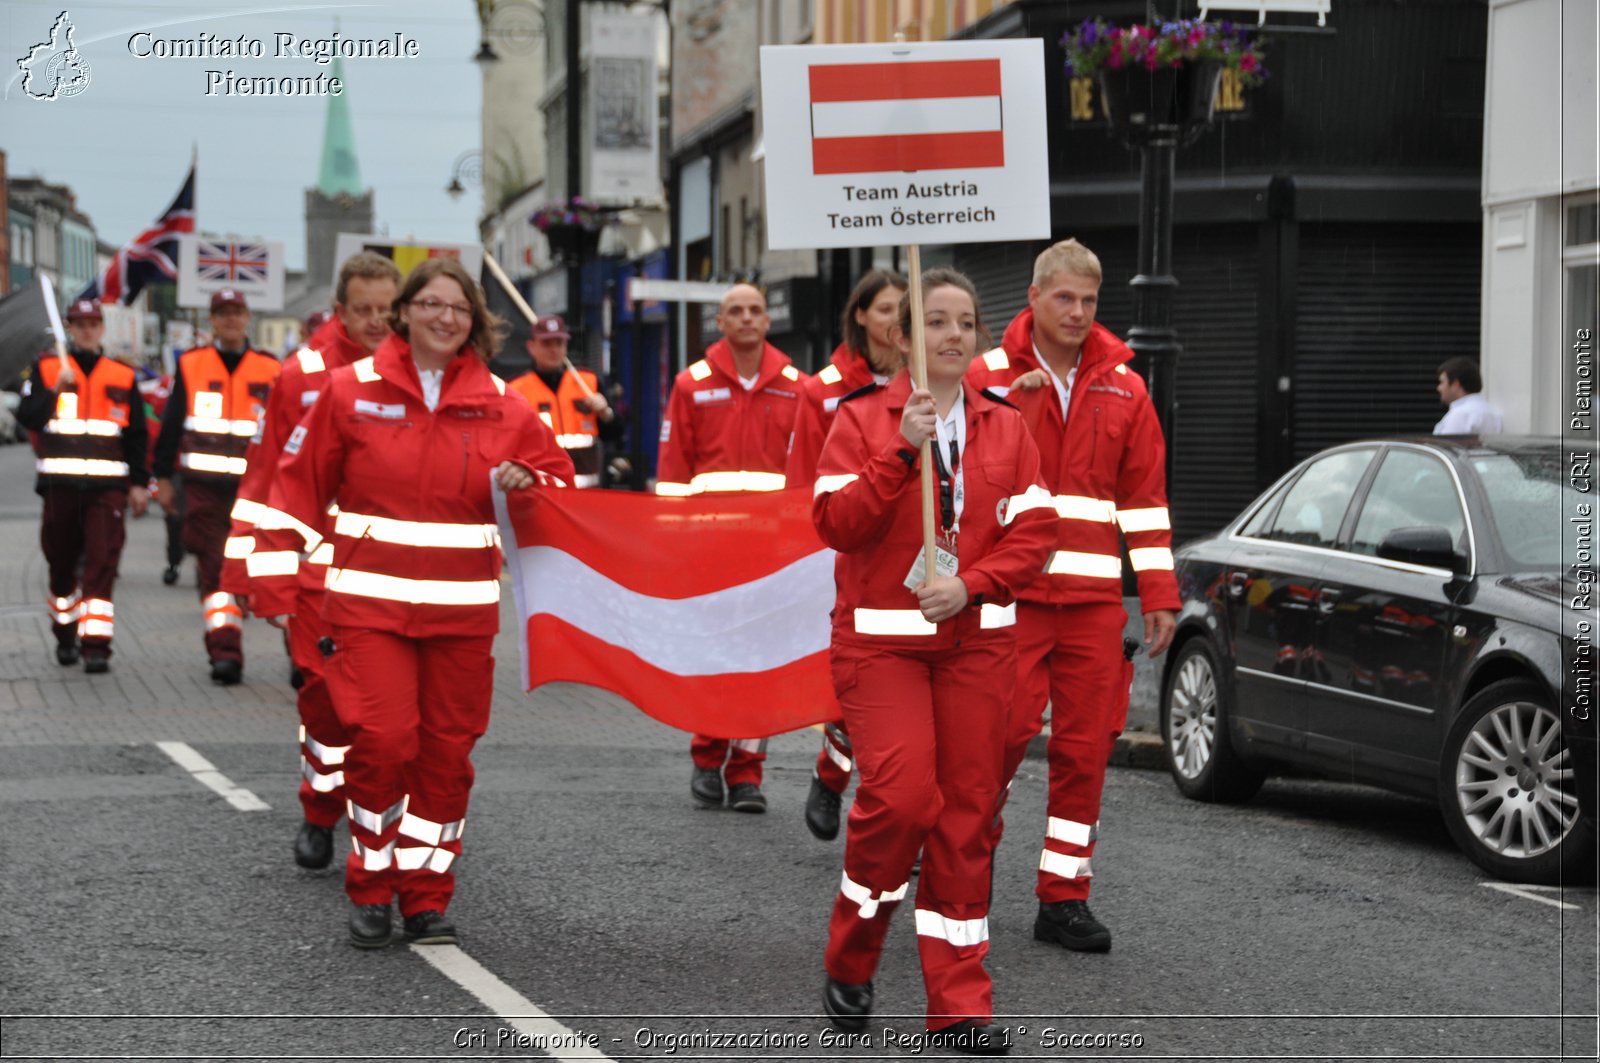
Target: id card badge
x,y
944,561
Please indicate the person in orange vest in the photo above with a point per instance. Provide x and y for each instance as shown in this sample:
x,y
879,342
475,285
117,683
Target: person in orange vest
x,y
727,428
91,446
582,422
219,394
364,295
867,358
1103,457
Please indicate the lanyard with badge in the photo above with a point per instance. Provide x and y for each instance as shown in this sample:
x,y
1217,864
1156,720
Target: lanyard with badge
x,y
952,496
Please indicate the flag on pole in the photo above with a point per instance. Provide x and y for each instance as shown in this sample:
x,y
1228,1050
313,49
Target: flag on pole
x,y
945,115
149,258
709,613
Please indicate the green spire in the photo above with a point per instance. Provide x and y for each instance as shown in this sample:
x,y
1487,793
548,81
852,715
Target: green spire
x,y
341,173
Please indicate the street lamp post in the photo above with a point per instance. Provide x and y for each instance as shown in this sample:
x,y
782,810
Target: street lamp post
x,y
574,158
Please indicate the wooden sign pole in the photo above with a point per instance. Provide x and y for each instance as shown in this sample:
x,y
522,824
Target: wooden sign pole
x,y
919,378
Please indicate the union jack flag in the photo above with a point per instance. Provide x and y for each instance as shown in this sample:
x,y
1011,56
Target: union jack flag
x,y
231,263
149,258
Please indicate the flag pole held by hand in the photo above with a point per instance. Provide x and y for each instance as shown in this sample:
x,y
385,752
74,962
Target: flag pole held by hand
x,y
56,328
919,379
527,312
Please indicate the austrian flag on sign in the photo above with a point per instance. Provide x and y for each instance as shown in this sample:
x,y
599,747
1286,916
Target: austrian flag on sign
x,y
904,117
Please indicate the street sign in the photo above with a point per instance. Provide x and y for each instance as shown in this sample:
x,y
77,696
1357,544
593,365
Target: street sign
x,y
645,289
208,264
882,144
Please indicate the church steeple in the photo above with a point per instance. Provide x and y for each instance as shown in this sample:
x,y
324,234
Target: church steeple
x,y
341,172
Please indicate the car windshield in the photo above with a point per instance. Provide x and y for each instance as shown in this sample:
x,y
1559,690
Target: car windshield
x,y
1529,498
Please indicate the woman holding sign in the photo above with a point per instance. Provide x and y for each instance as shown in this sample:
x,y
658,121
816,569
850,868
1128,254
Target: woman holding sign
x,y
923,664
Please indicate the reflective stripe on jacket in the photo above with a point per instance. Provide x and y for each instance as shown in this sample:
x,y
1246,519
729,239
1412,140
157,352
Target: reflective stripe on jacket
x,y
224,411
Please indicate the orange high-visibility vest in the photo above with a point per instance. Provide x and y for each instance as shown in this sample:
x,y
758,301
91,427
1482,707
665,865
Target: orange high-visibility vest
x,y
224,410
83,440
576,429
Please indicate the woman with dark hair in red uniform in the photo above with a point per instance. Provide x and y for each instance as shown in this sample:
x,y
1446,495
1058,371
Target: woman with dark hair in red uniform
x,y
924,665
405,443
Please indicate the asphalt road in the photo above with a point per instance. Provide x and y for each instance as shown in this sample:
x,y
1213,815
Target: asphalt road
x,y
145,916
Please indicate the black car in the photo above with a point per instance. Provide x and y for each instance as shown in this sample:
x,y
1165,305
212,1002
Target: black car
x,y
1402,612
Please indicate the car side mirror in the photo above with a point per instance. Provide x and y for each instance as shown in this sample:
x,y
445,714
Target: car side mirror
x,y
1430,546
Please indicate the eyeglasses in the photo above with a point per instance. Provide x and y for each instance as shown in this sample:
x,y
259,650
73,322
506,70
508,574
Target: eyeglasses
x,y
437,307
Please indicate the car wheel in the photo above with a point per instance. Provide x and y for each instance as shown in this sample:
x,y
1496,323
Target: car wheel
x,y
1507,790
1194,726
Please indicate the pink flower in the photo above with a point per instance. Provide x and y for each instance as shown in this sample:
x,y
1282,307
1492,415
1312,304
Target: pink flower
x,y
1150,60
1247,62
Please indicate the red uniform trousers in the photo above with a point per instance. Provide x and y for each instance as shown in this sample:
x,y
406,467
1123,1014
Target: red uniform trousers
x,y
929,733
206,521
413,709
744,757
324,742
84,525
835,761
1070,656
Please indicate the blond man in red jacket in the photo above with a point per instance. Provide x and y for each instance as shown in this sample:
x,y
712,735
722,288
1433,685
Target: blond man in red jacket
x,y
1103,458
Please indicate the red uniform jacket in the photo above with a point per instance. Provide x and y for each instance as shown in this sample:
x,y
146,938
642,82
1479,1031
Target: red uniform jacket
x,y
301,380
720,437
1105,464
415,550
845,372
868,507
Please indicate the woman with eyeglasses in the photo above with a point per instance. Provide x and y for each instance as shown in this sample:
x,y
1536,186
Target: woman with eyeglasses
x,y
924,663
405,444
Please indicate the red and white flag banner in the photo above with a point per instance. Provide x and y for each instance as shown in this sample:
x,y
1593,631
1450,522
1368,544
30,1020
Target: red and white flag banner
x,y
876,117
710,613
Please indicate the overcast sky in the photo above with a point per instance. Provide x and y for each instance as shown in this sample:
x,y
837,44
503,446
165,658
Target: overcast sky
x,y
123,144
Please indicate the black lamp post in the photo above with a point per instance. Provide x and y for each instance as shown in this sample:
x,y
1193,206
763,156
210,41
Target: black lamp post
x,y
574,158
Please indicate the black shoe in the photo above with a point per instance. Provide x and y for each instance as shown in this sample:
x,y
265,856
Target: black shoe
x,y
313,846
972,1038
370,926
430,928
847,1006
1071,925
706,785
226,673
297,678
747,797
96,663
822,811
66,653
169,575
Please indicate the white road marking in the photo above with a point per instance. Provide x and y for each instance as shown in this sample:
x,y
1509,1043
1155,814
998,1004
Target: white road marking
x,y
507,1003
1529,893
207,775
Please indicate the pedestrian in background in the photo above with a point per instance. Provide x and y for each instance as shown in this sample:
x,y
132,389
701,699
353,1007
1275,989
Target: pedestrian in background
x,y
867,358
727,428
91,446
923,663
1461,390
569,401
405,444
364,295
218,397
1103,459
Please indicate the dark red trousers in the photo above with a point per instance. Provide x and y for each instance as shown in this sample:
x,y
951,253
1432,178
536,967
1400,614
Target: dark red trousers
x,y
87,527
738,759
412,710
836,758
324,742
929,734
206,519
1071,657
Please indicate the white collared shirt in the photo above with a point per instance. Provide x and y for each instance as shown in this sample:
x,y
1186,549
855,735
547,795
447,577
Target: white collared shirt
x,y
432,381
1063,387
1469,415
954,427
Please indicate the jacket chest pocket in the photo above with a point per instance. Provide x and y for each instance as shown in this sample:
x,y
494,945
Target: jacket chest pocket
x,y
1111,423
383,449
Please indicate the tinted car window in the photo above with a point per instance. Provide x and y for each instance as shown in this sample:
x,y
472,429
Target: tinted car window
x,y
1528,494
1315,505
1411,490
1257,524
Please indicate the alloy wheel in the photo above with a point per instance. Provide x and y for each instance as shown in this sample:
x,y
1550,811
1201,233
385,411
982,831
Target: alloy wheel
x,y
1192,721
1514,781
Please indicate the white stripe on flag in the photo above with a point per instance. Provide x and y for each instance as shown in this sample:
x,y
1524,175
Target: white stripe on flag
x,y
873,118
731,630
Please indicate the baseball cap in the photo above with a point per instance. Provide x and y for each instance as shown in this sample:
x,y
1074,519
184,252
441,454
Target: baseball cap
x,y
317,319
85,308
228,297
552,326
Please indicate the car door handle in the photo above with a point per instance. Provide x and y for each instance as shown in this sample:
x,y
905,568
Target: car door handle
x,y
1237,582
1327,601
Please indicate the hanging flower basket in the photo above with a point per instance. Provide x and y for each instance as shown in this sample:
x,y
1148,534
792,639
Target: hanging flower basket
x,y
1137,101
572,243
572,228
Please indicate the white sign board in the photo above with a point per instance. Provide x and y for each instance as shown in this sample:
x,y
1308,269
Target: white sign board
x,y
208,264
645,289
883,144
124,325
408,252
624,161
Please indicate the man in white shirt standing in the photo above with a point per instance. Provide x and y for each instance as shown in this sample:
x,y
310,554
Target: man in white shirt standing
x,y
1469,413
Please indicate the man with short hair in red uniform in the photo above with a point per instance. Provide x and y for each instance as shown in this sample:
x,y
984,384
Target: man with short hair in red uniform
x,y
363,295
568,400
727,429
218,396
1103,457
91,444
